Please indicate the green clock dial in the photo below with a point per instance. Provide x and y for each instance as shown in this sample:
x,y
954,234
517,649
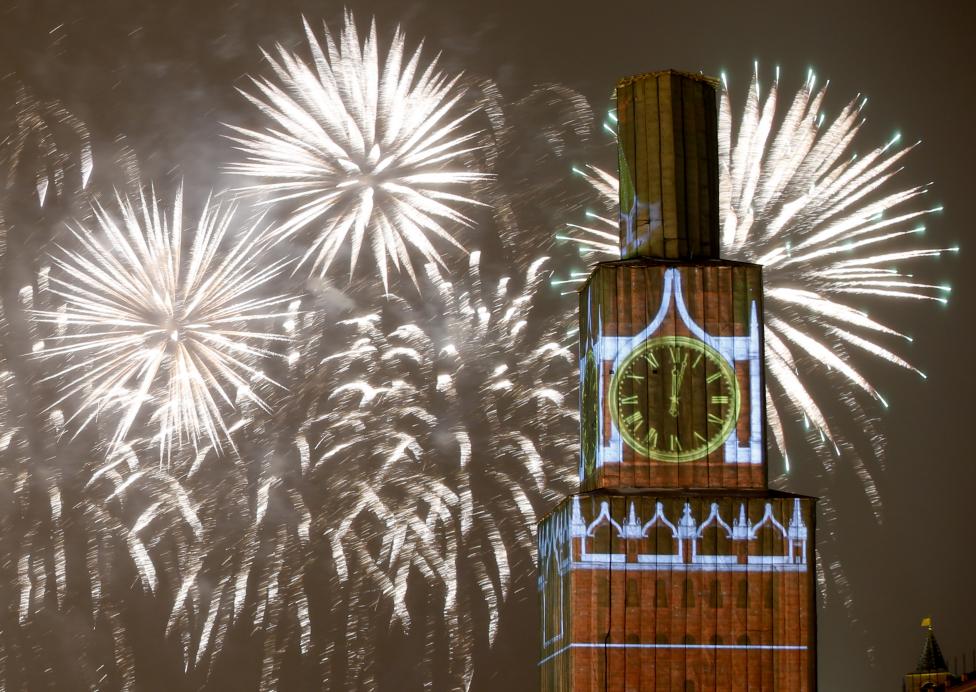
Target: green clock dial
x,y
674,399
590,411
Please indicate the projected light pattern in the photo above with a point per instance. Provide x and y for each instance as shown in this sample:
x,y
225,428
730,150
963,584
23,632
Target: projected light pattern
x,y
729,572
364,152
144,325
832,231
679,330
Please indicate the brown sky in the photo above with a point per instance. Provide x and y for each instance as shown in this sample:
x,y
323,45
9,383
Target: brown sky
x,y
161,72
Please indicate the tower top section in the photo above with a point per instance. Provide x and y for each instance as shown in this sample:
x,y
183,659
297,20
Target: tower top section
x,y
667,133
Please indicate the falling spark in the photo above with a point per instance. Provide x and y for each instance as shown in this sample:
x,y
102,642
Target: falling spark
x,y
43,125
366,154
144,325
408,460
411,458
478,435
419,396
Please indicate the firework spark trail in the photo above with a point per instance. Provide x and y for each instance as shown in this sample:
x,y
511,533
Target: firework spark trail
x,y
48,150
368,153
233,540
141,323
38,124
437,504
254,540
387,474
829,229
138,530
40,508
375,470
387,471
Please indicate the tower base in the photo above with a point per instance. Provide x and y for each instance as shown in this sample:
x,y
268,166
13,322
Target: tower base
x,y
678,590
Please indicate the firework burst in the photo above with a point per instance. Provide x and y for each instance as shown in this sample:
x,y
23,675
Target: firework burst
x,y
367,154
143,325
400,406
829,228
407,464
478,434
398,479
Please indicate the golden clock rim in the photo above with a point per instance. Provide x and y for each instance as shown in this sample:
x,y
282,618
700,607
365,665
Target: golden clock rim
x,y
713,444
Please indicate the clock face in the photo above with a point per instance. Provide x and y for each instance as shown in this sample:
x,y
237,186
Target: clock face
x,y
589,407
674,399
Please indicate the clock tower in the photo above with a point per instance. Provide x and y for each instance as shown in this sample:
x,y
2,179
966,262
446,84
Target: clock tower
x,y
675,567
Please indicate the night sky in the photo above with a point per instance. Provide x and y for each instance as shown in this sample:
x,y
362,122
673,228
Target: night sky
x,y
163,74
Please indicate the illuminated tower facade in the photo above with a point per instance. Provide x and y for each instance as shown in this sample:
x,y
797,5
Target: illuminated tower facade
x,y
674,567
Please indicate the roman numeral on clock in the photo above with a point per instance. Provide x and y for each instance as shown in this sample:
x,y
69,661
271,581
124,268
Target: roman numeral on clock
x,y
634,420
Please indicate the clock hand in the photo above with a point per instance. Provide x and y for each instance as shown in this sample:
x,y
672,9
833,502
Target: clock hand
x,y
681,373
673,407
677,377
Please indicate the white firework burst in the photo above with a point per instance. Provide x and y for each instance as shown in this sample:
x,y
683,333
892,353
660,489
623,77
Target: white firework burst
x,y
144,323
387,502
478,436
410,460
366,153
829,228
